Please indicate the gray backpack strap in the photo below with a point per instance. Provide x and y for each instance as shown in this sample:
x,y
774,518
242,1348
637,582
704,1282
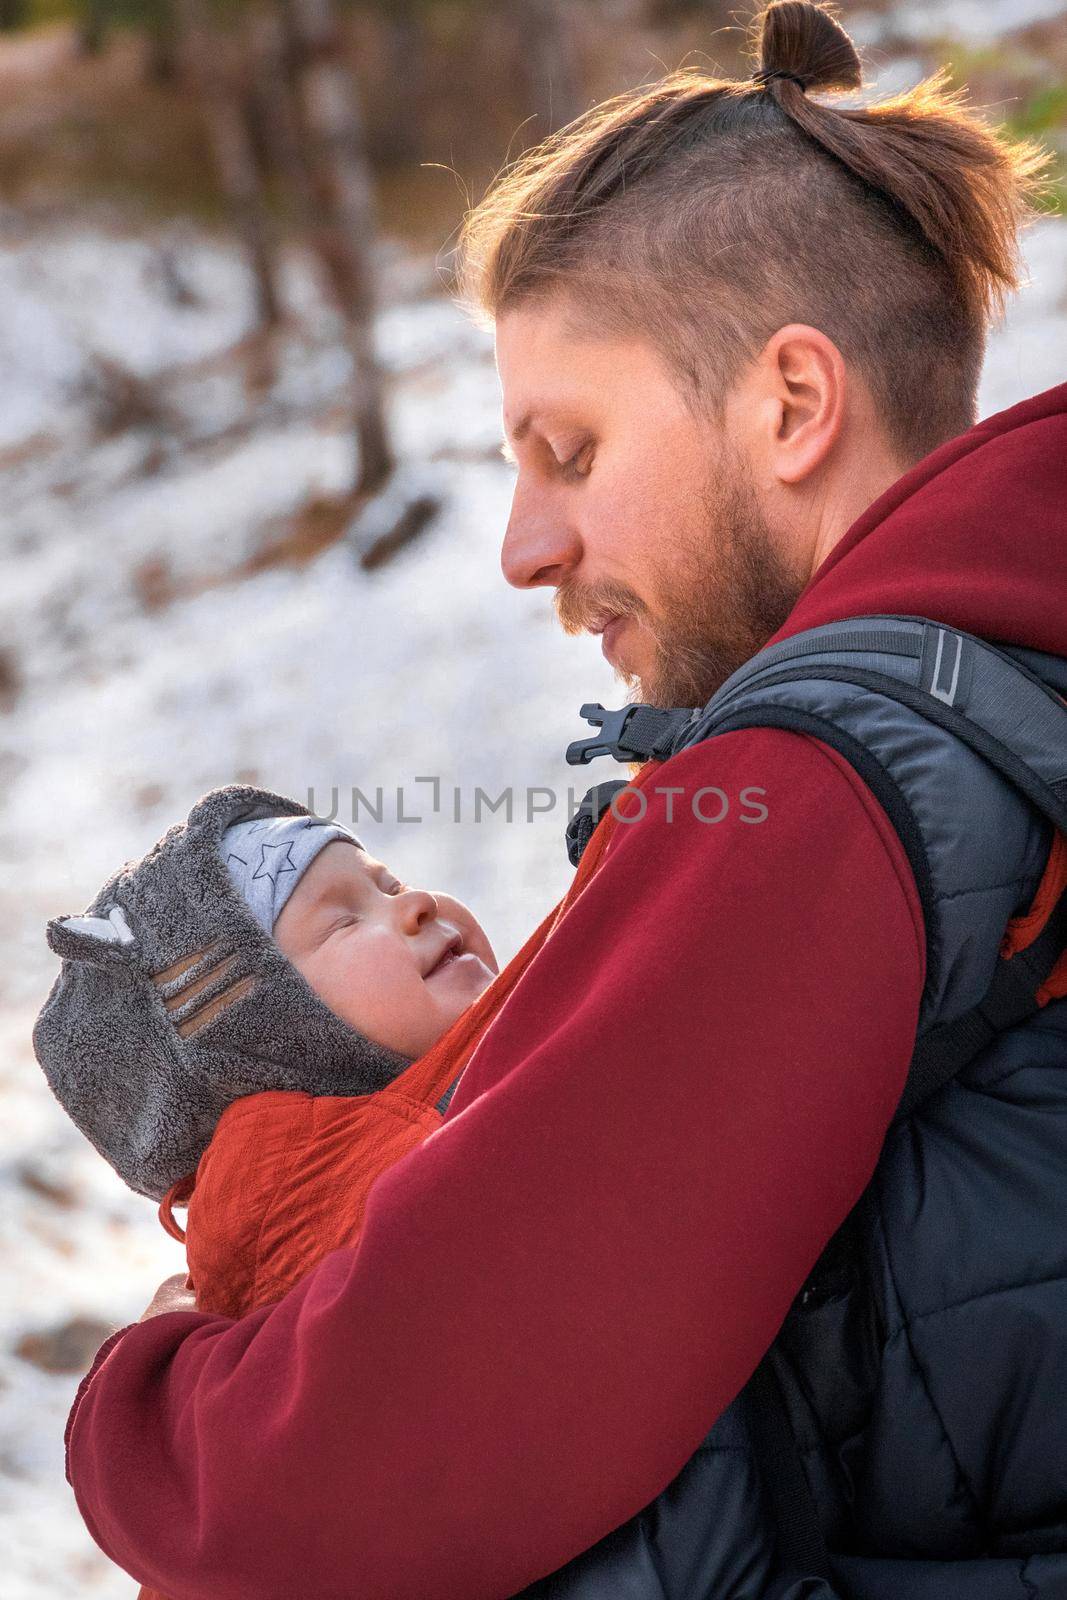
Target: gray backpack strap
x,y
995,700
986,696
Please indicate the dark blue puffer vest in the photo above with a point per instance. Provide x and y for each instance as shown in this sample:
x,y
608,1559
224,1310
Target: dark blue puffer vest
x,y
922,1370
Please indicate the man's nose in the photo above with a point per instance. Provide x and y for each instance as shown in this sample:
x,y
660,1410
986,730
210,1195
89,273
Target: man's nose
x,y
540,546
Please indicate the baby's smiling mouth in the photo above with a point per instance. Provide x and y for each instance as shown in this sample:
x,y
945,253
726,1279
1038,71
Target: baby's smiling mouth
x,y
451,950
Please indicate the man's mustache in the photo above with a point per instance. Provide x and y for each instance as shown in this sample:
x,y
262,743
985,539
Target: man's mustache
x,y
586,607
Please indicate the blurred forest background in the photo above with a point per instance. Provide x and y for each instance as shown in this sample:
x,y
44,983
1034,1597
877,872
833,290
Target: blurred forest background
x,y
253,500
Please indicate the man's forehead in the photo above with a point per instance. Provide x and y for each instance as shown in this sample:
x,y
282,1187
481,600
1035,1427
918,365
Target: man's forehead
x,y
544,388
554,372
540,362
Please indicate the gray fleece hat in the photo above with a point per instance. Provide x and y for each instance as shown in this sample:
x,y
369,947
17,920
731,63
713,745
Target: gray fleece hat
x,y
173,1001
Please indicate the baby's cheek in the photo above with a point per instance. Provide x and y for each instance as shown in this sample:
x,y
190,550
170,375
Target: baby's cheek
x,y
476,940
363,993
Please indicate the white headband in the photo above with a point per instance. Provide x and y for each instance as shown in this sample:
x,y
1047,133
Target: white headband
x,y
267,858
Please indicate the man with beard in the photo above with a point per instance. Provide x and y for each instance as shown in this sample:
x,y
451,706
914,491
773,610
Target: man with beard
x,y
739,332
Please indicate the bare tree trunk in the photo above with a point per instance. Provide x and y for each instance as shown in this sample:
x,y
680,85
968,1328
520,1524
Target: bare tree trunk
x,y
344,223
161,26
13,14
271,56
92,30
405,23
548,48
234,153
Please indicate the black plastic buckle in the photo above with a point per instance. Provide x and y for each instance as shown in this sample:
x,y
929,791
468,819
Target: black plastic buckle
x,y
595,803
609,741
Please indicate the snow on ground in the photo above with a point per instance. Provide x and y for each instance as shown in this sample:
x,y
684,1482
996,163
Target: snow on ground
x,y
301,679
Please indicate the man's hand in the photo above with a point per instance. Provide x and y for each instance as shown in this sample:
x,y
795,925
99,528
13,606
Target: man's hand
x,y
173,1294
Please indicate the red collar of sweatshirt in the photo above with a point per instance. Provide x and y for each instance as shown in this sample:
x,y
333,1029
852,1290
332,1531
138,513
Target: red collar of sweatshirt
x,y
974,536
554,1297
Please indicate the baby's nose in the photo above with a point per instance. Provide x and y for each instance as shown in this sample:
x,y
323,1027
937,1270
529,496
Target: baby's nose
x,y
417,907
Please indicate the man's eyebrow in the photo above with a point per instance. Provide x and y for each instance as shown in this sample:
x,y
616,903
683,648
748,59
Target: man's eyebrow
x,y
523,426
519,431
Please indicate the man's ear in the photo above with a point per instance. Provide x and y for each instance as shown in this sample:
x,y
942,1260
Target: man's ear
x,y
802,384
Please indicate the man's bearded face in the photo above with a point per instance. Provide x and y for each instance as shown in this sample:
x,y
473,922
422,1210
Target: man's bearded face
x,y
640,513
720,591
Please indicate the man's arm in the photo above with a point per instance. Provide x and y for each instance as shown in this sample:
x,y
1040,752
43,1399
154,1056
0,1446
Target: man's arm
x,y
555,1296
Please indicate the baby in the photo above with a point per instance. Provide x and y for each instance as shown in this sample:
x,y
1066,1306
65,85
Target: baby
x,y
256,1019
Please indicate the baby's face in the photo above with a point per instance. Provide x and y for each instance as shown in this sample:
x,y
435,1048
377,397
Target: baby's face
x,y
397,964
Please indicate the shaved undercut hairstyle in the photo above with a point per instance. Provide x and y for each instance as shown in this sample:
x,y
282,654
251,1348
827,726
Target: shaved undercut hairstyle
x,y
703,214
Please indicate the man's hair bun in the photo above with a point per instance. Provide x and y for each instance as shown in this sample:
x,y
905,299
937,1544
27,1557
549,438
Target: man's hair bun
x,y
803,41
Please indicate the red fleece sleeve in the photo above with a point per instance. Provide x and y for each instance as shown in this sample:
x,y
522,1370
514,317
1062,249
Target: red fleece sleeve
x,y
555,1296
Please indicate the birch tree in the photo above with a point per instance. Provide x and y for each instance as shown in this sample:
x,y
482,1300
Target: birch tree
x,y
343,213
214,74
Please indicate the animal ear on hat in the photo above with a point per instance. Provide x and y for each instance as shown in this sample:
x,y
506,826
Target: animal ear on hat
x,y
99,940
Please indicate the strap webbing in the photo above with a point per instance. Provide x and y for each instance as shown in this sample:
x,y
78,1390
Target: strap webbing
x,y
652,730
801,1547
1010,999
